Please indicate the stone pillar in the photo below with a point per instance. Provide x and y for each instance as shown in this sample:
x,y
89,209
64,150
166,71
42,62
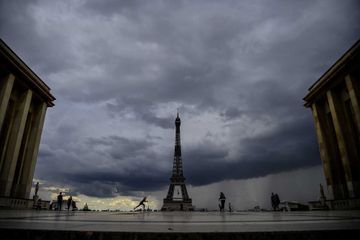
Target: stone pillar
x,y
31,152
5,92
353,88
318,115
14,142
21,157
345,142
354,93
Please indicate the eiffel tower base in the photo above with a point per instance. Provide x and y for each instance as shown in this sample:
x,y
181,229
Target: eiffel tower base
x,y
170,205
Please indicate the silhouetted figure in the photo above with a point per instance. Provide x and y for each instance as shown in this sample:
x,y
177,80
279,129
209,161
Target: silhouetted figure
x,y
59,201
69,203
275,201
141,203
51,206
73,205
36,188
222,200
230,207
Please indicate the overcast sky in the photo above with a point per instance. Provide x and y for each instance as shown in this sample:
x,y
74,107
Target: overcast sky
x,y
237,70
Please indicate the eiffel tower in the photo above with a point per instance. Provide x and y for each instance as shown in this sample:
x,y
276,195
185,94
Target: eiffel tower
x,y
177,200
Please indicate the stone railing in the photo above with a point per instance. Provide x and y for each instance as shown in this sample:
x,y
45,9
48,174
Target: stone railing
x,y
21,203
340,204
344,204
17,203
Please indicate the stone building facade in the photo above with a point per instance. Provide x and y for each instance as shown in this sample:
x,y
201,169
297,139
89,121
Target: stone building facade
x,y
335,103
24,99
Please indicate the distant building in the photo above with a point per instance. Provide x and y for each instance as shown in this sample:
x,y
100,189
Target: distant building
x,y
335,103
24,98
86,208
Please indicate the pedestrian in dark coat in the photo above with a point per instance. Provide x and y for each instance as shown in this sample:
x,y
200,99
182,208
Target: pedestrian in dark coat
x,y
69,203
59,201
222,200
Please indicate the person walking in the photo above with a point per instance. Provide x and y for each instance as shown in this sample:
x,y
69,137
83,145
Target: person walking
x,y
36,188
277,201
273,205
59,201
69,201
73,206
222,200
141,203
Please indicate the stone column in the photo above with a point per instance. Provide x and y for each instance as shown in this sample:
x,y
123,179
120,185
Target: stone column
x,y
14,142
318,115
354,93
31,152
5,92
345,142
353,88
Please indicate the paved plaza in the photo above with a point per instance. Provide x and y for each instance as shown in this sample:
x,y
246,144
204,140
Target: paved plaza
x,y
180,221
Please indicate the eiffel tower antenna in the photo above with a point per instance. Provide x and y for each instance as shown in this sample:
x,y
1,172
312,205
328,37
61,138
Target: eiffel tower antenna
x,y
177,180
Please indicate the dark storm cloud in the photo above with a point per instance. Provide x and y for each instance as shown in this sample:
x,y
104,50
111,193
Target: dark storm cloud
x,y
119,70
100,182
120,147
231,113
104,167
141,108
115,183
45,153
290,147
109,8
47,53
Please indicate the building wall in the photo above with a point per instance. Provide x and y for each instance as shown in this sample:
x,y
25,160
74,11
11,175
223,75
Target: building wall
x,y
334,102
22,114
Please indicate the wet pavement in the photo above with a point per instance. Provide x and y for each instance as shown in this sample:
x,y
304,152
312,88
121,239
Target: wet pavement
x,y
180,221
